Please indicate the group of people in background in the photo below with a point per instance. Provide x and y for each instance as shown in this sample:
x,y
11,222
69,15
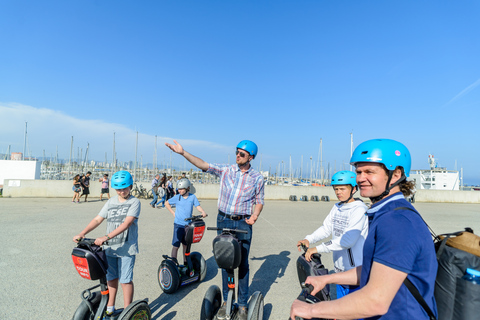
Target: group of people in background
x,y
163,190
81,183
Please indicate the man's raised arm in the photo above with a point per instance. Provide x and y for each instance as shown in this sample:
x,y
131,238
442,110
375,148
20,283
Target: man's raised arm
x,y
197,162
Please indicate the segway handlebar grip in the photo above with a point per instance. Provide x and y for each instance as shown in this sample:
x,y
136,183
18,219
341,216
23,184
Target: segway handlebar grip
x,y
227,230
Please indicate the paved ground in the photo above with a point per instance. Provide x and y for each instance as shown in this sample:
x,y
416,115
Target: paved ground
x,y
38,279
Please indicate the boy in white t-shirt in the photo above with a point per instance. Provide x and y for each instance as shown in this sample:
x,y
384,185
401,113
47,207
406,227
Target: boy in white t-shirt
x,y
348,226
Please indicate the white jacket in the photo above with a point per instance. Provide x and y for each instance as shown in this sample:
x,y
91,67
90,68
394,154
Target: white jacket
x,y
348,226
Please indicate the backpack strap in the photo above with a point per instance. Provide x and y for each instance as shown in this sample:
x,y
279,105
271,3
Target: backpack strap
x,y
410,286
414,291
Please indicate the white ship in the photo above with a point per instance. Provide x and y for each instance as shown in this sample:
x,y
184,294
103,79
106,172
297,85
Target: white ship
x,y
436,178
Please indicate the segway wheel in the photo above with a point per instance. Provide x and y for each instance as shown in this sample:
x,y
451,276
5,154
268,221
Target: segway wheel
x,y
211,303
199,265
83,311
139,310
168,276
255,306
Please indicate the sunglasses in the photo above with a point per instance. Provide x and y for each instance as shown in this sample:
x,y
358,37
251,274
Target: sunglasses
x,y
242,154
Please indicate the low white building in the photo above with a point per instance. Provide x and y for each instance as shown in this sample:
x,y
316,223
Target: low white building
x,y
18,169
436,178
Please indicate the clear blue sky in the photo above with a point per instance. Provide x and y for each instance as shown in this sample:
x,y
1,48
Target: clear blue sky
x,y
284,74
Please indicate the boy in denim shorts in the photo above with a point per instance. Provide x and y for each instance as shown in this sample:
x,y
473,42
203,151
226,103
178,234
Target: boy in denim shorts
x,y
121,240
184,203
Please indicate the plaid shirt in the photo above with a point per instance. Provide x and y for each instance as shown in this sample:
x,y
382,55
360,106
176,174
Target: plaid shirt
x,y
239,191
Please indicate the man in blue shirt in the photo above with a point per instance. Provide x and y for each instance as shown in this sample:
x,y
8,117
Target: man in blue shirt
x,y
398,245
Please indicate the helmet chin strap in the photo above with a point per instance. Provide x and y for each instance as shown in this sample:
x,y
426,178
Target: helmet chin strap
x,y
351,195
389,187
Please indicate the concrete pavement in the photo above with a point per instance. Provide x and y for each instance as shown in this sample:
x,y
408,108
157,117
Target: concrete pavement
x,y
39,280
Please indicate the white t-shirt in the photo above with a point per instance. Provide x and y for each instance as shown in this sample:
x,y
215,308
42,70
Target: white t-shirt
x,y
348,226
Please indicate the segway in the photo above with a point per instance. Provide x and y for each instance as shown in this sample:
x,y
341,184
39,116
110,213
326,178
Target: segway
x,y
227,253
306,296
172,275
90,262
314,267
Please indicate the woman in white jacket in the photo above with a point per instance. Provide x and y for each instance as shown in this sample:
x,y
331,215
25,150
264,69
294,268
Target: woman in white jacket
x,y
348,226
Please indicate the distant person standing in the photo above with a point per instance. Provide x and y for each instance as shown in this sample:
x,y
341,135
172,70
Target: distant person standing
x,y
105,188
162,193
77,187
170,191
155,182
240,203
85,181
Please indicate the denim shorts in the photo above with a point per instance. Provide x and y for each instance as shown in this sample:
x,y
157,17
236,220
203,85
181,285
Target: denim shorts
x,y
122,265
178,235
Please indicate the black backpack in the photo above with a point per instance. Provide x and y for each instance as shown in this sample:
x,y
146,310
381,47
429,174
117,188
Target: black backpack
x,y
456,298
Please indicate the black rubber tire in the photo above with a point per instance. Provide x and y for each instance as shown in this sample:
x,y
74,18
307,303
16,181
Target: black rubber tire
x,y
139,312
199,265
168,276
135,193
150,194
83,312
257,313
211,303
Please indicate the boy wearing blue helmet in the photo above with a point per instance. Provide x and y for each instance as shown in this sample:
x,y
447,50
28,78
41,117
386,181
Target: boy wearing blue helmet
x,y
240,202
398,251
347,224
121,239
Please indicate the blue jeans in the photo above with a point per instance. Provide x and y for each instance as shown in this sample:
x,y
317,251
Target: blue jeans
x,y
243,269
342,291
154,201
161,200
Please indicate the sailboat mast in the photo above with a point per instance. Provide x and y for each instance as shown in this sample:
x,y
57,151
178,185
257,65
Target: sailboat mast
x,y
24,141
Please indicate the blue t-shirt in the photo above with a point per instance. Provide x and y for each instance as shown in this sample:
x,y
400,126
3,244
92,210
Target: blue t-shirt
x,y
184,207
400,240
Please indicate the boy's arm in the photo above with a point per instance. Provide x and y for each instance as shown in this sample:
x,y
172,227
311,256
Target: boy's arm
x,y
169,207
91,226
124,226
200,209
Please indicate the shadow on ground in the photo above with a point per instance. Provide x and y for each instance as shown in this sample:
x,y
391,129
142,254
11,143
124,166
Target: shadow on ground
x,y
272,268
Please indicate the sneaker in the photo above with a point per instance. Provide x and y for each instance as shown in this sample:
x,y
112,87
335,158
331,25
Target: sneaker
x,y
222,312
107,315
242,313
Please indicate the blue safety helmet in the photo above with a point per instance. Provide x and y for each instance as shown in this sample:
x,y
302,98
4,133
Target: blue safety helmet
x,y
248,146
390,153
121,179
344,177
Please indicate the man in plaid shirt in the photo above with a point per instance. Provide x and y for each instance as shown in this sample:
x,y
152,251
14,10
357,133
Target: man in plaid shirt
x,y
240,202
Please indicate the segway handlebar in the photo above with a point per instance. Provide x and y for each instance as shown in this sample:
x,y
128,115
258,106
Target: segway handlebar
x,y
306,296
227,230
199,217
86,241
